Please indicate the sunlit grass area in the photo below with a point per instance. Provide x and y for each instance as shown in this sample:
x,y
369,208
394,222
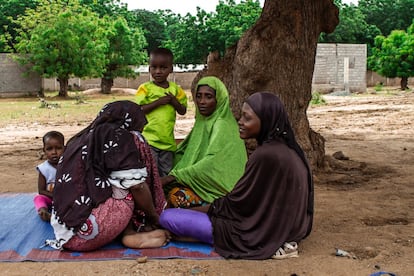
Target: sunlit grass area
x,y
27,111
78,108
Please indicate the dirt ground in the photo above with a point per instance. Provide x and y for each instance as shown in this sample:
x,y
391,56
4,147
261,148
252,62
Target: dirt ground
x,y
363,204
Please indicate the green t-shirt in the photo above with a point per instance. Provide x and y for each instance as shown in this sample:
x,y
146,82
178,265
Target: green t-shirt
x,y
159,131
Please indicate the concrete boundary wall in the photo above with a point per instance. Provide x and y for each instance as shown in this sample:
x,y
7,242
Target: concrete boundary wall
x,y
373,79
183,78
329,74
13,79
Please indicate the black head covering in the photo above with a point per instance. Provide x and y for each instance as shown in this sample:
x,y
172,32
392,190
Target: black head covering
x,y
273,117
275,124
83,172
120,114
272,203
123,114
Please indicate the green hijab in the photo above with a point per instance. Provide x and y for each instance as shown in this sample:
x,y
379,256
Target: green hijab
x,y
212,157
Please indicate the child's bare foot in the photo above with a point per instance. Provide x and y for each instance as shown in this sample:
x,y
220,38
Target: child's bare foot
x,y
44,214
152,239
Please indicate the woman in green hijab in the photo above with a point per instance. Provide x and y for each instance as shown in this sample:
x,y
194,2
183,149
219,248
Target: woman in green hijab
x,y
211,159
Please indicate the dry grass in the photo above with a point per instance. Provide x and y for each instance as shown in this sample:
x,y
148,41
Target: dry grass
x,y
79,108
27,111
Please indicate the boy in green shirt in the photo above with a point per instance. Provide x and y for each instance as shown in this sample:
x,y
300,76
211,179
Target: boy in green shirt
x,y
161,100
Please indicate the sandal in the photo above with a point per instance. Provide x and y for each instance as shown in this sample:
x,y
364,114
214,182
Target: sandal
x,y
288,250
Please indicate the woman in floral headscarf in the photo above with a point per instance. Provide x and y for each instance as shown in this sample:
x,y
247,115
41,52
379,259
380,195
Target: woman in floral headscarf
x,y
105,173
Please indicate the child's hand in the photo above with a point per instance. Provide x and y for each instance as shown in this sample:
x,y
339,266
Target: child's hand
x,y
44,214
164,100
172,97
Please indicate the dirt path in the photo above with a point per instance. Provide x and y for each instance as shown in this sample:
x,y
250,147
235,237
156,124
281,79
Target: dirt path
x,y
363,205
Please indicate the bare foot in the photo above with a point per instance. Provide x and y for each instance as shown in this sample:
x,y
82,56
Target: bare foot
x,y
152,239
44,214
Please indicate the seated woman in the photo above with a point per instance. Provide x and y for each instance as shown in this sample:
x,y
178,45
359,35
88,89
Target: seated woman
x,y
270,208
106,171
212,157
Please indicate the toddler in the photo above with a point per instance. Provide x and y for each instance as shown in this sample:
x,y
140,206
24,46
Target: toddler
x,y
53,147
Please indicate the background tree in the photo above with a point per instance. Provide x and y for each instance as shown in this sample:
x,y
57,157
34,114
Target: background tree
x,y
388,15
114,8
192,37
126,47
186,38
9,10
393,56
229,22
152,26
278,54
352,28
62,39
125,43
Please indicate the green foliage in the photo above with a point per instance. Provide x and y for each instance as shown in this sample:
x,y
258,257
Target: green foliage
x,y
191,38
187,38
317,99
352,28
370,18
388,15
113,8
126,44
152,26
62,39
230,22
125,48
378,87
9,10
393,56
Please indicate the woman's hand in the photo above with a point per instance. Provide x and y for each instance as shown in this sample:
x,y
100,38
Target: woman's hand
x,y
167,179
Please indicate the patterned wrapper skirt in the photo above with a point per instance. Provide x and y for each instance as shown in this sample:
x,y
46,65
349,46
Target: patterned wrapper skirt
x,y
104,224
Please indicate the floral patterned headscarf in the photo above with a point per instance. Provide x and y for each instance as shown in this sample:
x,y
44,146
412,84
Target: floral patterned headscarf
x,y
83,172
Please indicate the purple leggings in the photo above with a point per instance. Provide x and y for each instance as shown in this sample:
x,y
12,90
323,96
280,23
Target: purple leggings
x,y
188,223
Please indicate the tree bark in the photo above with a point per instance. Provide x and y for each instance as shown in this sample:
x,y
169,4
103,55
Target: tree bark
x,y
277,55
106,85
404,83
63,86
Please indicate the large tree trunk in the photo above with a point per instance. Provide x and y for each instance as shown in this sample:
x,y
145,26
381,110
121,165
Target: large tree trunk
x,y
63,86
106,85
404,83
278,54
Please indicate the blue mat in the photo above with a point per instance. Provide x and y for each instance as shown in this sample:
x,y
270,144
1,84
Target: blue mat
x,y
23,233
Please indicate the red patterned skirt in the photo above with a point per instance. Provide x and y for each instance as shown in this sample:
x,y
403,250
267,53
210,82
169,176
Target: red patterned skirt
x,y
104,224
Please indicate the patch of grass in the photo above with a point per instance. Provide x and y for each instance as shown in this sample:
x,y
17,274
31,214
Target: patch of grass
x,y
80,98
46,104
317,99
378,87
26,111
